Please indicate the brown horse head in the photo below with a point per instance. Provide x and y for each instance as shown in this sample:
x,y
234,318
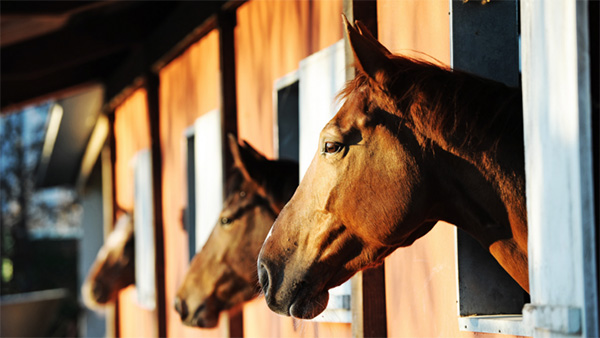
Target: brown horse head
x,y
223,274
114,267
412,144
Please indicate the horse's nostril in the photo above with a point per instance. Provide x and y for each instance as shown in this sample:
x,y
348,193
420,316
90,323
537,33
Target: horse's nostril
x,y
181,307
264,277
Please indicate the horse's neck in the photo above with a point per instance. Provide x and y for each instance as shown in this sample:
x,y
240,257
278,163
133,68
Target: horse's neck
x,y
478,124
493,216
490,205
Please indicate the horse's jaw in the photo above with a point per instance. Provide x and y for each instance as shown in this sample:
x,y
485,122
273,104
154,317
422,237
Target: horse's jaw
x,y
309,307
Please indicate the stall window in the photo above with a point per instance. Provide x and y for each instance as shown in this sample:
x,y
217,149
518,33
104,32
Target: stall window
x,y
204,179
485,41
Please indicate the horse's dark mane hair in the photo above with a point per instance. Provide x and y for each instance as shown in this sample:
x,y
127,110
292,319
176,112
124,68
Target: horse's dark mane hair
x,y
282,179
456,110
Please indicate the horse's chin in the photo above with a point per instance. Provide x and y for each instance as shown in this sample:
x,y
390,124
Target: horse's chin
x,y
206,323
203,320
309,307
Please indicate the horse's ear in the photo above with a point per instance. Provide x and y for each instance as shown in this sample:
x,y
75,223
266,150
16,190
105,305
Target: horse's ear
x,y
246,159
370,56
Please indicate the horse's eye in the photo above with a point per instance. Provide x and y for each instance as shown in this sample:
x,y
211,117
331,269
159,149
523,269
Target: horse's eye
x,y
225,221
332,147
242,194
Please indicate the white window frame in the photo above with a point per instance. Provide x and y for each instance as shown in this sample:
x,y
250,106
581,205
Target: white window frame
x,y
559,170
209,174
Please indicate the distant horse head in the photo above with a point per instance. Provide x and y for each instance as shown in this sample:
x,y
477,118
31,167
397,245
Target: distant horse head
x,y
114,267
223,274
412,144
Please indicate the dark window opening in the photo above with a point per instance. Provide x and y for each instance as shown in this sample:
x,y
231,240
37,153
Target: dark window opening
x,y
190,211
485,41
287,121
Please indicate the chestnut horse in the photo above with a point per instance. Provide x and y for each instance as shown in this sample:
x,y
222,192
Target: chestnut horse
x,y
413,143
114,267
223,274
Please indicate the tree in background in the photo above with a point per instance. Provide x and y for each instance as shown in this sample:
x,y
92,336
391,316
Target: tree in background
x,y
30,216
21,141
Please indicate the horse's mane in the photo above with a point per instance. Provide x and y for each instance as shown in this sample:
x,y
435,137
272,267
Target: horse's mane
x,y
458,111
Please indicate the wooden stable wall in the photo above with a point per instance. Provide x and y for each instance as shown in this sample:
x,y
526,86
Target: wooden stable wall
x,y
271,38
189,87
132,134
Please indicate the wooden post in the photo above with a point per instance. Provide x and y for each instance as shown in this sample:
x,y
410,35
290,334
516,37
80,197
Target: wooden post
x,y
369,318
110,202
557,106
152,85
226,22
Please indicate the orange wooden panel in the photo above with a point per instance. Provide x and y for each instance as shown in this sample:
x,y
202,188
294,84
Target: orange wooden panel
x,y
132,134
271,39
135,321
418,28
259,321
189,87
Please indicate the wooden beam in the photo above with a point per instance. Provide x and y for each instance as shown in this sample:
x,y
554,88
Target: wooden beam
x,y
152,85
112,313
369,317
236,323
226,22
